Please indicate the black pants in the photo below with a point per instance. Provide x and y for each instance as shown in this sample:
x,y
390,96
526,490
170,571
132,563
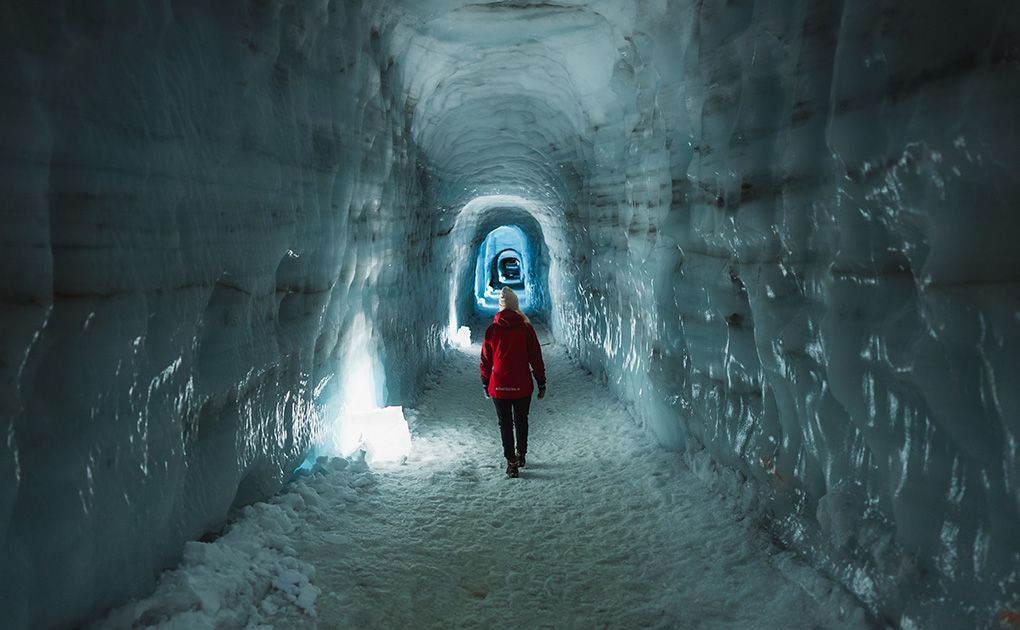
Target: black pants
x,y
513,414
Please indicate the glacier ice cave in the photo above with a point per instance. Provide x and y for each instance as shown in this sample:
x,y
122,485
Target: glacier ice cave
x,y
781,233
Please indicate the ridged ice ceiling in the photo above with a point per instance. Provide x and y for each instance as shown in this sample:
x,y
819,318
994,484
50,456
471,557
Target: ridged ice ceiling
x,y
503,94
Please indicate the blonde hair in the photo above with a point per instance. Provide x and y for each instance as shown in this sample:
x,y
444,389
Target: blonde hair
x,y
508,300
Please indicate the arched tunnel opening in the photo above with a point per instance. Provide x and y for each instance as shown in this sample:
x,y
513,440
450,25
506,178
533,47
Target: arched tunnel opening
x,y
491,228
512,255
249,252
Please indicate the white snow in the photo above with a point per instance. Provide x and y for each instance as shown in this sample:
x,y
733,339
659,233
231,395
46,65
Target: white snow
x,y
604,528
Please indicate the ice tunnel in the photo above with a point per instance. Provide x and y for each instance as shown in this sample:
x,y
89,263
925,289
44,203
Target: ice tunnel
x,y
783,232
501,264
490,231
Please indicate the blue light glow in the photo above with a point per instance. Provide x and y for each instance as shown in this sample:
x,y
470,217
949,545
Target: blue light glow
x,y
507,241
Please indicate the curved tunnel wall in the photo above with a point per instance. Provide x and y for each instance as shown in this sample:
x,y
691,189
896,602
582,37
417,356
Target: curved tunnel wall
x,y
816,323
792,296
200,200
782,230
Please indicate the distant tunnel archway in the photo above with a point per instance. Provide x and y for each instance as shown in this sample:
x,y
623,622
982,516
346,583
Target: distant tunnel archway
x,y
482,233
504,259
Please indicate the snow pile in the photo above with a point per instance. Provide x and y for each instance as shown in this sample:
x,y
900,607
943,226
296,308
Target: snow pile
x,y
251,572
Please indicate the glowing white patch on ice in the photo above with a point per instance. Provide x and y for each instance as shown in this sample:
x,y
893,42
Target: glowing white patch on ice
x,y
462,339
382,433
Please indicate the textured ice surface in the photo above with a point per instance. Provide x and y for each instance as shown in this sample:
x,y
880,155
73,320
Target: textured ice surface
x,y
200,201
784,231
802,241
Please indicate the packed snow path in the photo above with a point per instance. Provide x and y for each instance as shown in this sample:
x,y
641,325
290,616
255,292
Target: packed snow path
x,y
602,529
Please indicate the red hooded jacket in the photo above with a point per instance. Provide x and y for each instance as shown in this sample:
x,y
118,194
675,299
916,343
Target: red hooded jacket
x,y
510,346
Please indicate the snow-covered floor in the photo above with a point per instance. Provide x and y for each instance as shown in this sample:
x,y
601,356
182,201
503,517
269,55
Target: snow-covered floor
x,y
604,529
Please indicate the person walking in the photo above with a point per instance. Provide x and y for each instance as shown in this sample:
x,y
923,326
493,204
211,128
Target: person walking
x,y
511,346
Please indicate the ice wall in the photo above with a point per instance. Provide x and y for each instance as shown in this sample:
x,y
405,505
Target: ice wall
x,y
199,200
799,265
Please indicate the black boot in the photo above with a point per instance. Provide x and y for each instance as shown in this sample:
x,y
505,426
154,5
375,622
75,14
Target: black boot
x,y
520,460
511,467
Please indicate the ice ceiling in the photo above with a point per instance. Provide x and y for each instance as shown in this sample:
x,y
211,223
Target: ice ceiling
x,y
784,231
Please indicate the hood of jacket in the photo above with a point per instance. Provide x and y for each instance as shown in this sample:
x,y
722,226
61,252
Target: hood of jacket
x,y
508,318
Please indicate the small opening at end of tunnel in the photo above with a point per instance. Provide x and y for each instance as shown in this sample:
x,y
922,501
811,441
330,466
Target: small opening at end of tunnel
x,y
503,260
498,242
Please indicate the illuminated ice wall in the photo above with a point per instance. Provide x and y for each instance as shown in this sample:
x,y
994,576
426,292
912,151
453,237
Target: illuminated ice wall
x,y
784,231
211,215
